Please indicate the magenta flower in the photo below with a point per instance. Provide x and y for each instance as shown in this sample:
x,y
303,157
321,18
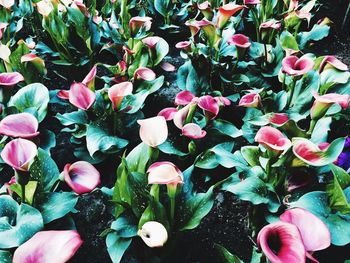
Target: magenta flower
x,y
164,173
81,96
168,113
225,12
184,97
117,92
332,62
281,242
3,27
295,66
209,105
223,101
151,42
251,100
193,26
63,94
23,125
278,119
271,24
10,79
251,2
136,23
49,246
193,131
81,176
19,153
272,139
89,80
240,41
324,102
185,45
153,131
144,74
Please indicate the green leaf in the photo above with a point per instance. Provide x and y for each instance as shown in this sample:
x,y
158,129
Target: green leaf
x,y
162,49
251,155
75,117
226,256
56,205
33,96
226,128
18,223
5,256
320,132
168,148
189,79
155,211
125,226
162,7
197,208
317,33
117,246
29,191
288,41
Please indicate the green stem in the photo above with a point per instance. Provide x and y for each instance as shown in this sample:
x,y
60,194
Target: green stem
x,y
312,127
155,192
171,189
23,187
290,99
265,50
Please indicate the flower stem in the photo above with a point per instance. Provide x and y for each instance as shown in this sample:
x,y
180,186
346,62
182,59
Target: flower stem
x,y
172,194
290,99
23,187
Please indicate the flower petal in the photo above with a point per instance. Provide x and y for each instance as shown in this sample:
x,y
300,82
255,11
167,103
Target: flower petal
x,y
153,131
272,139
168,113
164,173
10,79
23,125
193,131
184,97
117,92
81,96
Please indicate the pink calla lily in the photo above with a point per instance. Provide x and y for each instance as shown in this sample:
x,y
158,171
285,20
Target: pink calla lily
x,y
185,45
89,80
81,96
81,176
223,101
251,100
23,125
251,2
164,173
206,9
281,242
19,153
193,26
3,27
117,92
324,102
225,12
153,131
193,131
271,24
10,79
278,119
314,233
184,97
63,94
138,22
294,66
209,105
168,113
151,42
240,41
145,74
272,139
49,246
181,115
332,62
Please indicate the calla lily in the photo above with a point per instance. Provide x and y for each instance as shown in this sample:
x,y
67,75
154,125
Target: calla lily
x,y
181,115
164,173
271,24
223,101
251,2
117,92
7,3
82,7
44,7
89,80
311,154
184,97
10,79
3,27
154,234
19,153
209,105
193,131
294,66
138,22
324,102
32,58
225,12
206,9
240,41
185,45
145,74
5,53
23,125
272,139
278,119
313,231
81,96
63,94
193,26
81,176
153,131
332,62
49,246
151,42
168,113
251,100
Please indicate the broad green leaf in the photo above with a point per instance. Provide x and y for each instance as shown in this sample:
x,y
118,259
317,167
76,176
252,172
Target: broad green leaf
x,y
29,190
117,246
125,226
251,155
75,117
317,33
168,148
5,256
227,128
155,211
288,42
162,7
320,132
162,49
226,256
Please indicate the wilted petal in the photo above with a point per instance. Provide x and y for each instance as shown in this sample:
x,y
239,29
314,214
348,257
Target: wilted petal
x,y
10,79
49,246
184,97
281,243
23,125
154,234
168,113
145,74
271,24
81,176
193,131
166,66
294,66
117,92
223,101
19,153
272,139
153,131
164,173
314,232
251,100
209,105
81,96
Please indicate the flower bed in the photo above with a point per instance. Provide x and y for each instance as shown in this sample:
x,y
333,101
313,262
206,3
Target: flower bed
x,y
173,131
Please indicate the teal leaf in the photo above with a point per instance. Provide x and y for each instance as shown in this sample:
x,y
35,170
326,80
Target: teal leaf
x,y
117,246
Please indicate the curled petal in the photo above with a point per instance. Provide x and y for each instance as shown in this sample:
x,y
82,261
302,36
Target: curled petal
x,y
324,102
164,173
63,94
153,131
23,125
209,105
145,74
184,97
151,42
81,176
10,79
193,131
281,242
271,24
278,119
154,234
314,233
89,80
272,139
19,153
81,96
294,66
225,12
49,246
168,113
138,22
181,115
185,45
117,92
333,62
251,100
